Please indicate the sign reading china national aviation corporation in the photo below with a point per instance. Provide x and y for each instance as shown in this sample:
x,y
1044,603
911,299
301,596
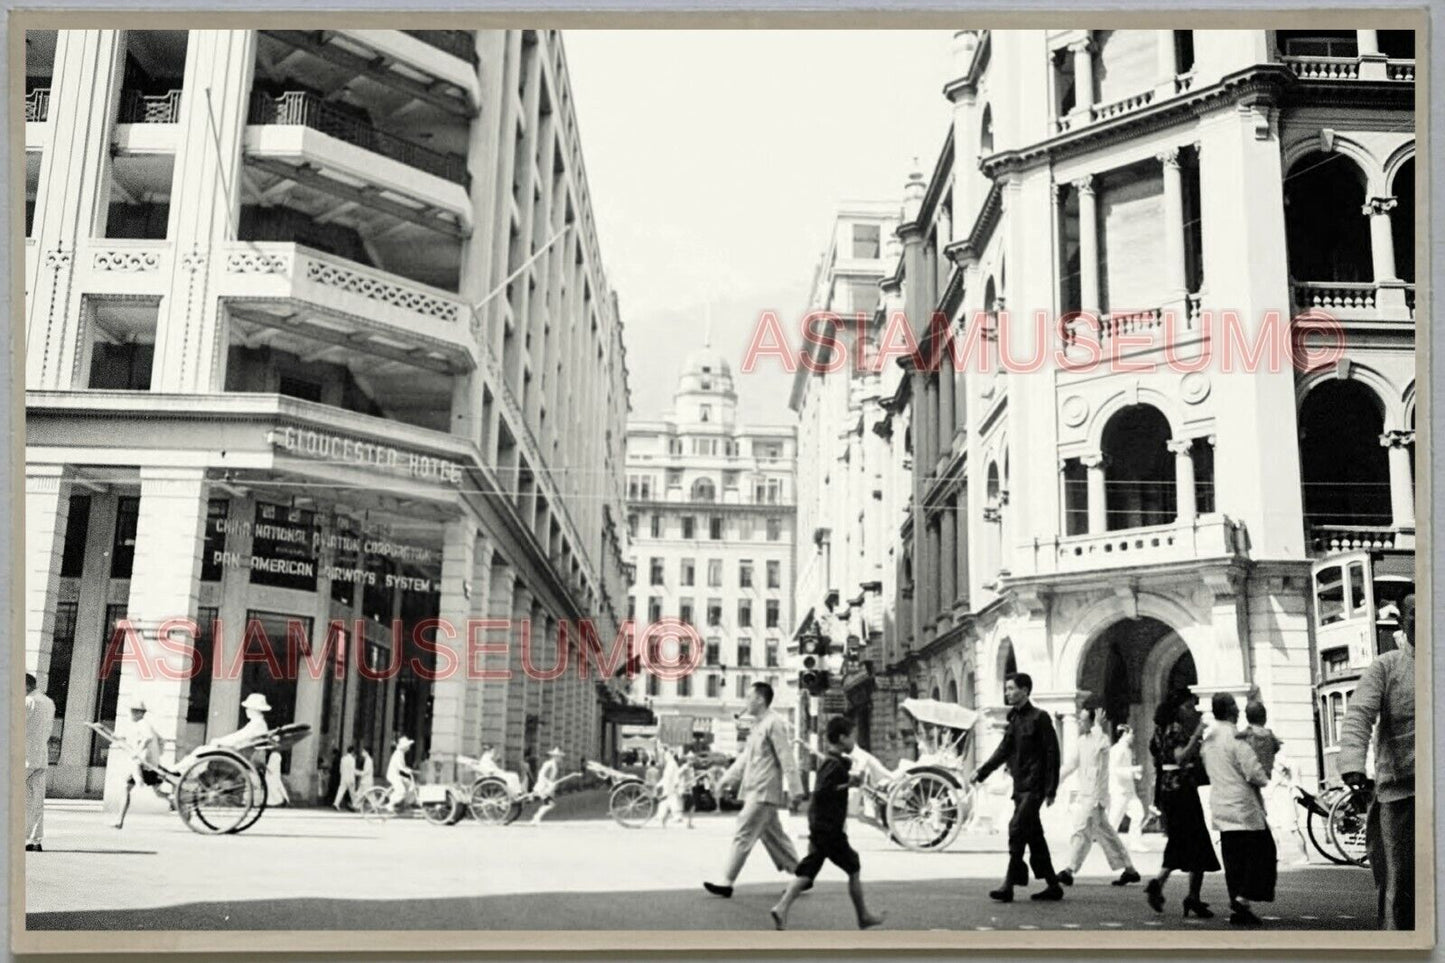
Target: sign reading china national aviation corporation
x,y
342,449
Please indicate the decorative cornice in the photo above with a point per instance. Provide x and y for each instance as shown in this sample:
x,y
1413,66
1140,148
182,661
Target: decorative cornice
x,y
968,83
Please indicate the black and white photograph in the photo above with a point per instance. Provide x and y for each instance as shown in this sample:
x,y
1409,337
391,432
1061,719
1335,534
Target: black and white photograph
x,y
536,482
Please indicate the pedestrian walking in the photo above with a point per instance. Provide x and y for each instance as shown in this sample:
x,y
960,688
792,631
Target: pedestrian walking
x,y
346,781
1236,809
828,828
1030,748
766,766
1090,759
1261,739
1123,787
1178,732
1384,701
39,719
140,739
546,787
670,788
365,772
276,794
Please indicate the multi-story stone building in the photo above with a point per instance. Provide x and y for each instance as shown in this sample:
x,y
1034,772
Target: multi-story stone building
x,y
1132,528
852,485
710,514
318,337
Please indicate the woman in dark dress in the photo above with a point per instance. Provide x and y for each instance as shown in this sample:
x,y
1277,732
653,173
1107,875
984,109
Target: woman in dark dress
x,y
1175,748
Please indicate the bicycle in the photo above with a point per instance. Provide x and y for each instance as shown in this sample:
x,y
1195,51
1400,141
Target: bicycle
x,y
1348,820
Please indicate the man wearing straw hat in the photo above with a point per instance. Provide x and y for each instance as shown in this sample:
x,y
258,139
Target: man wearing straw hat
x,y
546,785
144,744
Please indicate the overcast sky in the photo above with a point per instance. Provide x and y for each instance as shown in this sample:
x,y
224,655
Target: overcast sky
x,y
716,160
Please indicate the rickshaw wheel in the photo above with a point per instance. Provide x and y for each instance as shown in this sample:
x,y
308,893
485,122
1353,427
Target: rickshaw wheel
x,y
631,803
373,804
261,794
925,810
492,802
215,794
1349,814
444,813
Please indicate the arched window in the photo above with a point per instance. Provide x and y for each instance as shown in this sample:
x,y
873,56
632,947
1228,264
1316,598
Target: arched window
x,y
703,490
1139,479
985,134
1327,235
1402,221
993,528
1343,468
952,693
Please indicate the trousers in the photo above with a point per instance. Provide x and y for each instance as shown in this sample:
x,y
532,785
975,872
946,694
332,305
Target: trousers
x,y
1025,831
35,804
1390,838
759,821
1092,824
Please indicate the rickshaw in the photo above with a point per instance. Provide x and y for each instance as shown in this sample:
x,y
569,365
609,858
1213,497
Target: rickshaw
x,y
221,789
924,803
632,801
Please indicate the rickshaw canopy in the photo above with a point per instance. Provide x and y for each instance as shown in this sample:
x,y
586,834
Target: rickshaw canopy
x,y
936,713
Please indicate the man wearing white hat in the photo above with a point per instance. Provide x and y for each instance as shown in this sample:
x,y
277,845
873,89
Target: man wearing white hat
x,y
546,785
256,708
398,774
144,744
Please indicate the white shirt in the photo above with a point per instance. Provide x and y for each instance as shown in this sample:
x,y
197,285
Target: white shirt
x,y
39,720
1121,768
348,767
1090,759
253,728
1235,778
396,767
142,737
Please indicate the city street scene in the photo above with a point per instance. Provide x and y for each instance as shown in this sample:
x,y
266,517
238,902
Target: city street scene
x,y
536,479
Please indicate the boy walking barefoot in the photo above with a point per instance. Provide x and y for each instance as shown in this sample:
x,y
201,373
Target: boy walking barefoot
x,y
827,830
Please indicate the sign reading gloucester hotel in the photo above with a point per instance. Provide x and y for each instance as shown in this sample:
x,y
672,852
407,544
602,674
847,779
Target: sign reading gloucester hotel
x,y
339,449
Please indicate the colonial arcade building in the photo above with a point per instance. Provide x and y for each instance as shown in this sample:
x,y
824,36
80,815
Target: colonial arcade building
x,y
1128,531
319,349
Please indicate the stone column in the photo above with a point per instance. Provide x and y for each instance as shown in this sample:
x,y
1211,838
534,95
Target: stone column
x,y
164,585
519,686
1174,269
1183,479
1168,65
1402,482
1382,241
1083,51
456,706
960,521
947,560
1373,63
946,388
1088,245
1368,42
1098,498
496,692
47,512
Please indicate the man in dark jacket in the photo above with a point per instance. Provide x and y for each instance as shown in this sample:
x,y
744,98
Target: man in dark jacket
x,y
1030,749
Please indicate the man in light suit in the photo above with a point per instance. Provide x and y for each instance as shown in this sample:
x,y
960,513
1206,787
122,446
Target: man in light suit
x,y
763,769
39,718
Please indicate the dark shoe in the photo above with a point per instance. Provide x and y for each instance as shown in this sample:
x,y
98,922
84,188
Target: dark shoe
x,y
725,892
31,847
1198,908
1243,916
1066,877
1004,894
1154,894
1052,893
1125,878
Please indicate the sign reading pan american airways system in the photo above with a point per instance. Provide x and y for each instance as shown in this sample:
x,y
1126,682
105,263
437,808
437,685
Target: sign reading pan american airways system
x,y
341,449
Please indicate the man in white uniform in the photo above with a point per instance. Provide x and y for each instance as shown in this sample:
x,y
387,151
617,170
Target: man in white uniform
x,y
1090,759
39,718
1123,788
144,745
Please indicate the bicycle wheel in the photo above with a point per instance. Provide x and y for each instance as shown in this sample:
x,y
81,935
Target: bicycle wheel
x,y
492,802
631,804
1349,815
373,805
1317,825
443,812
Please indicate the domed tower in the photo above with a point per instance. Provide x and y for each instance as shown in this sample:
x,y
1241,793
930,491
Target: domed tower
x,y
705,392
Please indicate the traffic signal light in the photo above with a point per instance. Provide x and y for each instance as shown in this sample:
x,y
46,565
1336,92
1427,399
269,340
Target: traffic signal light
x,y
814,678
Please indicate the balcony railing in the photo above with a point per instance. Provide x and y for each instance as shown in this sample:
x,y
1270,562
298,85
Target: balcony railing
x,y
1346,68
1114,108
296,107
1356,300
37,105
1333,539
139,108
458,43
1209,536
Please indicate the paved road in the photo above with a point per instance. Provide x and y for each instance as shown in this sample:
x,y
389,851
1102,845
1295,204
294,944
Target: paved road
x,y
313,869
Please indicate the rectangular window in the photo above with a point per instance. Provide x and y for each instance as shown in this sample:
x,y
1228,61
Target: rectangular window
x,y
714,573
745,529
684,610
866,241
632,606
632,526
284,546
198,702
62,653
714,651
715,528
714,686
122,548
714,613
745,682
655,572
684,686
214,542
775,574
654,608
745,651
745,613
654,687
775,529
654,526
772,614
772,655
745,574
688,525
77,527
689,571
108,697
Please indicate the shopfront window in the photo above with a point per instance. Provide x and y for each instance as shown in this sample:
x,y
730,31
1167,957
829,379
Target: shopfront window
x,y
198,704
214,542
77,528
109,694
283,553
122,550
